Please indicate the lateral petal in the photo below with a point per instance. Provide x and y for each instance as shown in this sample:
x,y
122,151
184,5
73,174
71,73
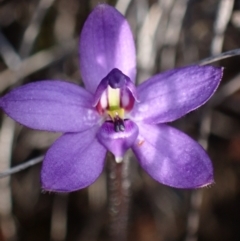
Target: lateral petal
x,y
73,162
106,43
52,106
168,96
171,157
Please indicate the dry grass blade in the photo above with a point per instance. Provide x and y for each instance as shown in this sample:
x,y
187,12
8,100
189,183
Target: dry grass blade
x,y
21,167
34,26
223,17
224,55
7,223
9,55
35,63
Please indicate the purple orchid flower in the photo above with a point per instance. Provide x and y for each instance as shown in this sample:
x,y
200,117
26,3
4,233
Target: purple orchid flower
x,y
111,114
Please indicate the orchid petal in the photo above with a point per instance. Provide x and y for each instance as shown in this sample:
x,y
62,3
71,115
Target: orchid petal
x,y
52,106
171,157
106,43
168,96
73,162
118,142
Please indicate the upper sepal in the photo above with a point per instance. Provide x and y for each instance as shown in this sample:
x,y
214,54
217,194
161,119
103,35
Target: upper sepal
x,y
106,43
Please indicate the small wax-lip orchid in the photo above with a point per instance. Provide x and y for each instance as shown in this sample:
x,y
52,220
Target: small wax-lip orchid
x,y
111,114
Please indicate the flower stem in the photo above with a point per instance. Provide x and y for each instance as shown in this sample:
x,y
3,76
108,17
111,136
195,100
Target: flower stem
x,y
118,198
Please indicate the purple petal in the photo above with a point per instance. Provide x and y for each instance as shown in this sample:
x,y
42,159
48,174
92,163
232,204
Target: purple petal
x,y
168,96
118,142
73,162
172,158
106,43
52,106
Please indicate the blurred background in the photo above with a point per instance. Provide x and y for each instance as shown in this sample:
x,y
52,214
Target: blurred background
x,y
39,40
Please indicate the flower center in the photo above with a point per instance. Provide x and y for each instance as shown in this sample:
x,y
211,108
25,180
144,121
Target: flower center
x,y
114,98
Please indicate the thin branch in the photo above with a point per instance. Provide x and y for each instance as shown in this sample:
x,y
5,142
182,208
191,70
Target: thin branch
x,y
7,222
146,41
172,34
224,55
59,218
224,14
122,6
194,214
34,26
193,218
36,62
21,167
8,53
